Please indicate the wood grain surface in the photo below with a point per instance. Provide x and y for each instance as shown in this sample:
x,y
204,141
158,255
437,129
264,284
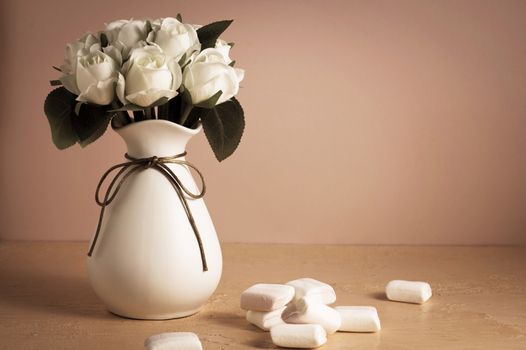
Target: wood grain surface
x,y
479,299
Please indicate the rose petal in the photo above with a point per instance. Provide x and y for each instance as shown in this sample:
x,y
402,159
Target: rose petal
x,y
114,53
101,93
120,89
148,97
240,73
177,75
102,71
70,83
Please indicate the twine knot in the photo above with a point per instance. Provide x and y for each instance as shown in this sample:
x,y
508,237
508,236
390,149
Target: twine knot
x,y
152,161
155,163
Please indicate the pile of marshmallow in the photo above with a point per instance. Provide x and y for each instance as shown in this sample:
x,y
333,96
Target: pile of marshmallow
x,y
298,316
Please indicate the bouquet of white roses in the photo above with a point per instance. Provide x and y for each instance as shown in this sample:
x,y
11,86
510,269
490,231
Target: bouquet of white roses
x,y
137,70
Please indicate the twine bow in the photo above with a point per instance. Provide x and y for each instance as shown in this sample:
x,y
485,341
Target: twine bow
x,y
158,163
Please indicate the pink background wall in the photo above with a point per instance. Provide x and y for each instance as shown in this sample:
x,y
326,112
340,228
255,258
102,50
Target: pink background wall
x,y
367,121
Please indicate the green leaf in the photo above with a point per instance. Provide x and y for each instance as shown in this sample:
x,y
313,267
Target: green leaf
x,y
185,94
174,108
77,107
182,60
159,102
209,33
59,106
128,107
55,82
120,119
162,111
179,17
195,115
134,107
211,102
103,40
185,59
138,116
149,113
148,26
224,126
91,123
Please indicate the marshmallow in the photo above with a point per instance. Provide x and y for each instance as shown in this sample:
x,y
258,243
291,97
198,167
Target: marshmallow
x,y
307,311
313,290
298,335
173,341
358,319
265,320
408,291
266,297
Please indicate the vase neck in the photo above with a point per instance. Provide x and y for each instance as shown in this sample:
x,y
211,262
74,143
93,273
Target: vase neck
x,y
159,138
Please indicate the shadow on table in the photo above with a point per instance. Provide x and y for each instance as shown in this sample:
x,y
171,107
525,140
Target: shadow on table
x,y
259,339
379,296
263,342
231,320
41,291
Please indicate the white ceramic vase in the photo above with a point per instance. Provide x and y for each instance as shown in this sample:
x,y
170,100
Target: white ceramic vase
x,y
146,263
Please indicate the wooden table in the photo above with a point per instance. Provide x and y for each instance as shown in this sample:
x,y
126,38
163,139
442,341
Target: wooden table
x,y
479,299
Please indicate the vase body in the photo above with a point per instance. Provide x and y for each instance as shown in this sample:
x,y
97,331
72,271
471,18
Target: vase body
x,y
146,263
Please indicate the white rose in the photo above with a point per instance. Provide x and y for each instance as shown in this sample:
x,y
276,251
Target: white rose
x,y
115,26
156,23
224,47
175,38
114,53
208,74
79,48
95,78
148,76
219,54
126,34
213,55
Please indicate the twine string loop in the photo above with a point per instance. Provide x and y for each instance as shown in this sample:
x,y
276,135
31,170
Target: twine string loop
x,y
125,169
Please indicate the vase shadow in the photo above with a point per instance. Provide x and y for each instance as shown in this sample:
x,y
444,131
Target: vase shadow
x,y
44,291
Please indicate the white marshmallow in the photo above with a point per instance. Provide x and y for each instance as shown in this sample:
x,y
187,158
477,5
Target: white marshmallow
x,y
408,291
358,319
266,297
265,320
313,290
173,341
298,335
307,311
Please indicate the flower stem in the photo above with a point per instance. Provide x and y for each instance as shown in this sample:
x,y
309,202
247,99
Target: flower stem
x,y
123,116
186,113
148,113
